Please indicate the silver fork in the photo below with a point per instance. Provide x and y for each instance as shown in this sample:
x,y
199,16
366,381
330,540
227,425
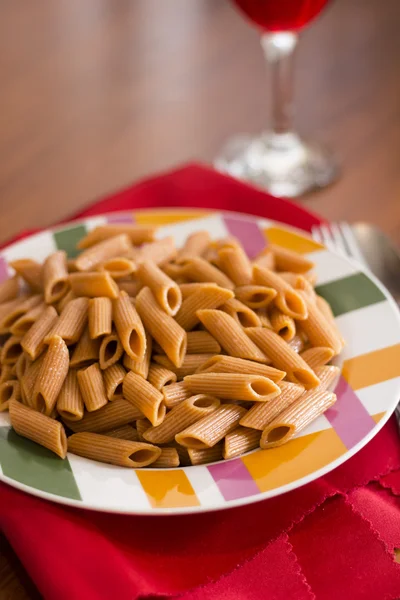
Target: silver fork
x,y
368,246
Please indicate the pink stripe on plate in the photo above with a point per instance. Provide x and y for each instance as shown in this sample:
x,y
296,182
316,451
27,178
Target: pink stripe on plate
x,y
3,270
233,479
348,416
248,232
120,218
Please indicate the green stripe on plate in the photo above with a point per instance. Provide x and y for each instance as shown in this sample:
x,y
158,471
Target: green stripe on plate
x,y
350,293
35,466
68,238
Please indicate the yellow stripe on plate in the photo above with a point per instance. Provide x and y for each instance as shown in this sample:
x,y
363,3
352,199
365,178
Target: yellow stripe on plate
x,y
374,367
168,217
168,489
291,240
273,468
378,416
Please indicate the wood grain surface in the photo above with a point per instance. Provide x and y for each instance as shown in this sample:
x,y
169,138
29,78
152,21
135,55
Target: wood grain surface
x,y
98,93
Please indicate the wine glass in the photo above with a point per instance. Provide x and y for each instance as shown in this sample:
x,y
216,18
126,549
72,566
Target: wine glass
x,y
278,160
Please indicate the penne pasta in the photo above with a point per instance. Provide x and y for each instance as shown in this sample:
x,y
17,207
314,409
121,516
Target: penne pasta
x,y
55,277
92,387
39,428
231,364
114,414
164,289
159,376
287,299
137,235
245,316
212,428
282,324
265,259
70,402
196,244
28,380
199,270
11,311
174,393
262,413
160,251
47,389
141,367
205,455
110,351
236,265
86,351
100,317
145,397
125,432
129,327
111,450
5,373
11,350
187,289
201,342
113,377
262,314
24,323
239,441
9,289
98,283
9,390
142,425
297,343
299,282
319,330
168,458
71,323
328,376
209,296
112,247
233,386
33,341
21,365
64,301
118,267
190,364
30,271
288,260
317,356
326,310
255,296
131,287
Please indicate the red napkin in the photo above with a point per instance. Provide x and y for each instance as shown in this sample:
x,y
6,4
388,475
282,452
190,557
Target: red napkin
x,y
333,537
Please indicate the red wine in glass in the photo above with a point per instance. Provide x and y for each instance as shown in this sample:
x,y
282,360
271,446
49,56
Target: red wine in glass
x,y
281,15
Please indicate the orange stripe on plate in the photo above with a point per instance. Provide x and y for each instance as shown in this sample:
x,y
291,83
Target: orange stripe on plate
x,y
168,489
292,241
378,416
167,218
374,367
299,457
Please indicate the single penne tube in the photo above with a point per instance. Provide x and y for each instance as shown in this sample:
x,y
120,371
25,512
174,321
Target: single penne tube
x,y
71,323
112,247
239,441
110,351
263,413
9,390
233,386
204,456
13,310
129,327
131,287
326,310
165,290
262,314
175,393
91,285
296,417
228,242
255,296
125,432
190,364
33,341
11,351
136,234
245,316
179,418
299,282
142,425
159,376
230,335
140,367
212,428
173,271
236,265
199,270
71,265
187,289
288,300
9,289
298,343
70,402
92,387
5,373
319,330
21,365
160,251
47,388
328,376
288,260
118,267
24,323
282,324
195,245
39,428
209,296
113,377
64,301
169,458
145,397
162,327
265,259
283,357
201,342
55,277
100,317
114,414
86,351
317,356
28,380
103,448
30,271
231,364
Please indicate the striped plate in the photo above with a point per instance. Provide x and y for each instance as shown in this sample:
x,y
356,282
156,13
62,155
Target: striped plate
x,y
368,390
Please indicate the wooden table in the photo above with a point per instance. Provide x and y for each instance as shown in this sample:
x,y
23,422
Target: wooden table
x,y
97,93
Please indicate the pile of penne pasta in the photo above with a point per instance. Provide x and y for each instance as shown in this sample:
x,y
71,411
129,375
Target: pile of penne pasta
x,y
137,353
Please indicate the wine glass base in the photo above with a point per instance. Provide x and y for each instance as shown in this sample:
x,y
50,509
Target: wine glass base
x,y
281,163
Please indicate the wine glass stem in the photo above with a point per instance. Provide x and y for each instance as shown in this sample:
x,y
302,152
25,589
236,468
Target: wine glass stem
x,y
279,51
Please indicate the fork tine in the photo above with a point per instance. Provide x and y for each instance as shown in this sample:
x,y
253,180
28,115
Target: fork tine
x,y
339,243
316,234
326,237
351,242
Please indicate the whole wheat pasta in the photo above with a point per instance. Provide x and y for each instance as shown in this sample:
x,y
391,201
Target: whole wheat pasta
x,y
174,271
326,310
297,343
190,364
97,283
282,324
228,242
283,357
11,350
288,260
262,413
125,432
71,323
236,265
233,386
9,289
201,342
5,374
245,316
86,351
212,428
317,356
255,296
168,459
113,377
162,327
111,450
47,388
287,300
114,414
118,245
164,289
239,441
187,289
159,376
299,282
160,251
231,364
70,402
28,380
174,393
207,297
262,314
141,367
296,417
24,323
71,265
328,376
265,259
118,267
11,311
30,271
110,351
92,387
55,277
145,397
131,287
319,330
198,269
179,418
21,365
196,244
204,456
9,390
230,335
39,428
136,234
33,341
142,425
129,327
100,317
64,301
